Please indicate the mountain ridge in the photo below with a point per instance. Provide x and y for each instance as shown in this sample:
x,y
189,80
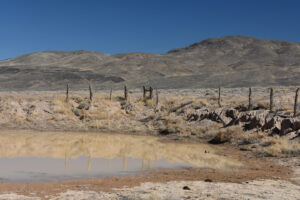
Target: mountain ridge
x,y
230,61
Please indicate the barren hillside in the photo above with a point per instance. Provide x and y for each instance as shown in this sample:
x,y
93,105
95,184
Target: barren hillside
x,y
233,61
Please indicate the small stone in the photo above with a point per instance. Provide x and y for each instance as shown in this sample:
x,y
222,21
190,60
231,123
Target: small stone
x,y
208,180
186,188
243,149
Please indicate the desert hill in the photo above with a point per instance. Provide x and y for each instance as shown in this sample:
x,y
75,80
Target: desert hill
x,y
232,61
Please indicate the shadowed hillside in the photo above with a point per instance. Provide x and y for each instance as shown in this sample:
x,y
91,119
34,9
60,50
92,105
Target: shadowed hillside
x,y
233,61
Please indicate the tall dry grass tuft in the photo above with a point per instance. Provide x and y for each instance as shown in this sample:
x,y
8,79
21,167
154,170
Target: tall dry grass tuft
x,y
279,147
229,134
63,110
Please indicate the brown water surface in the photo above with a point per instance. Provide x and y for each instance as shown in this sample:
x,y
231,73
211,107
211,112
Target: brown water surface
x,y
54,156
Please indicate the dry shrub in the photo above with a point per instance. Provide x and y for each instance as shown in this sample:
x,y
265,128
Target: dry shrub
x,y
150,102
213,98
59,100
200,102
19,119
250,137
122,125
56,118
30,118
263,105
236,135
229,134
288,108
100,124
235,101
62,109
171,124
171,101
104,114
279,147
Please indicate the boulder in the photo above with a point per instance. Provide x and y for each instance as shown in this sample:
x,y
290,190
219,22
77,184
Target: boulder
x,y
289,125
254,119
292,135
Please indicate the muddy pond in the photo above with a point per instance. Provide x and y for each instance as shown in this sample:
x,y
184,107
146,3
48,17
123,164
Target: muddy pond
x,y
54,156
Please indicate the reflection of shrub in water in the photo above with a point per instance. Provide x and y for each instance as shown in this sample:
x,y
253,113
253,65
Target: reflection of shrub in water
x,y
59,144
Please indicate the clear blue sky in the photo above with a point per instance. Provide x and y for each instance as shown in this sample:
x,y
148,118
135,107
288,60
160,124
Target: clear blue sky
x,y
155,26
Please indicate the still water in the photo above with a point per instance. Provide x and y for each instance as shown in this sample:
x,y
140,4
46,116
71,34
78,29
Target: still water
x,y
53,156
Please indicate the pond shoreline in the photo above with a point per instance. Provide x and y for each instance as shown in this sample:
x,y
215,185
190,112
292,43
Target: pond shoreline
x,y
257,169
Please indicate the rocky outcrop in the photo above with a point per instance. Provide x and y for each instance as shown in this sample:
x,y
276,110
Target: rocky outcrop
x,y
262,120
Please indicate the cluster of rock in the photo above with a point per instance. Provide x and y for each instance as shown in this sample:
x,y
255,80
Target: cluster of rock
x,y
263,120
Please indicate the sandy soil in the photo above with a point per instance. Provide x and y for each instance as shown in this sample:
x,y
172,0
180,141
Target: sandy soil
x,y
268,189
263,189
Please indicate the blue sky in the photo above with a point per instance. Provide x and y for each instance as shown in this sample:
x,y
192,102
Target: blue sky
x,y
155,26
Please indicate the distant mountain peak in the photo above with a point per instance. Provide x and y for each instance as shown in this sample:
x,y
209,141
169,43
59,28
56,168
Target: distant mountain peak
x,y
226,41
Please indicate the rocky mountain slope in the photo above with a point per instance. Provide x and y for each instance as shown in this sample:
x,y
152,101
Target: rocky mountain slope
x,y
233,61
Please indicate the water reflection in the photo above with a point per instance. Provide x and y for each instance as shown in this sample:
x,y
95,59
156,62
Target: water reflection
x,y
59,155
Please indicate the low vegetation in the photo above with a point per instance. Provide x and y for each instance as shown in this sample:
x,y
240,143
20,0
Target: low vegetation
x,y
175,115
